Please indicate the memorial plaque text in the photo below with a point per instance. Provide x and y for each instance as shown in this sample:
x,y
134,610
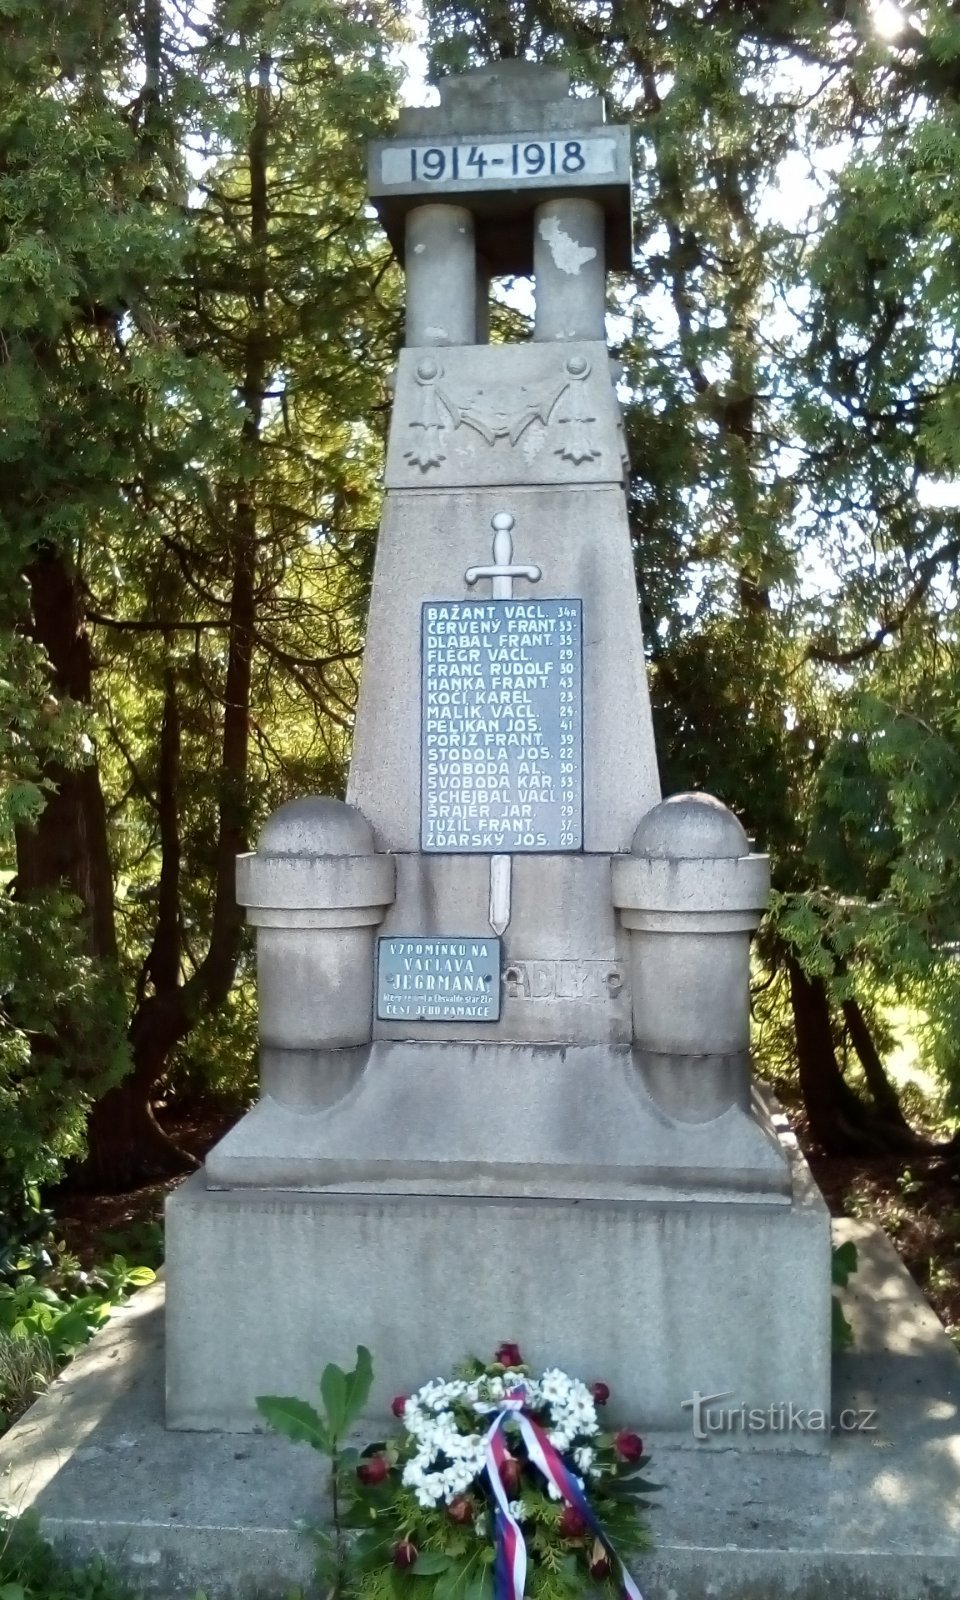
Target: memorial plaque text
x,y
502,748
434,980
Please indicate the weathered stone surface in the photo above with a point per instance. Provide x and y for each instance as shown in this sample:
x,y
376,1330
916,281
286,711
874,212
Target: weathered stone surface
x,y
623,1289
564,958
614,1153
481,1119
503,415
571,274
441,276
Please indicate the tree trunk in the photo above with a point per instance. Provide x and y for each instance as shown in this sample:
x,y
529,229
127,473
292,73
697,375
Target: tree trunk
x,y
68,846
834,1112
164,1018
839,1120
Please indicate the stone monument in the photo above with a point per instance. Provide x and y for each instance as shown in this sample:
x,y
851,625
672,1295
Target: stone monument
x,y
503,989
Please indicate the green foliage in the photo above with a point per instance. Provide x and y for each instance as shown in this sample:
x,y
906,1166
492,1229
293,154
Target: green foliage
x,y
67,1320
843,1262
50,989
45,1318
30,1569
344,1395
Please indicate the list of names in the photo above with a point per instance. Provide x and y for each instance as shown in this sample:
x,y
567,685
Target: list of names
x,y
502,726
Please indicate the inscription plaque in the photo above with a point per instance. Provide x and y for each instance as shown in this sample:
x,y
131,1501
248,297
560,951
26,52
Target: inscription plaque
x,y
475,163
502,726
433,980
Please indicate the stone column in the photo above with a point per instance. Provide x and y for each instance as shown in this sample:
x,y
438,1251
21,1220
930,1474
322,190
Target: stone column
x,y
570,269
690,892
315,892
441,275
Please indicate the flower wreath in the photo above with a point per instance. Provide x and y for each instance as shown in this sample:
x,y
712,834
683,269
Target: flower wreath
x,y
500,1484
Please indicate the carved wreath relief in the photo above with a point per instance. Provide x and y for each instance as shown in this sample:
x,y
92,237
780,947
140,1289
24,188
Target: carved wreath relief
x,y
440,410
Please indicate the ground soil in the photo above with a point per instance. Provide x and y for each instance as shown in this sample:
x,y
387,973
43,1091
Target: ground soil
x,y
917,1202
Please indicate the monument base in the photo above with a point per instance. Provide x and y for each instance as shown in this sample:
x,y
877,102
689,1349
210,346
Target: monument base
x,y
661,1300
182,1512
543,1122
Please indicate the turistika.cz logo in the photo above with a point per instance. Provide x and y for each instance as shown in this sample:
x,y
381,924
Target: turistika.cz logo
x,y
710,1417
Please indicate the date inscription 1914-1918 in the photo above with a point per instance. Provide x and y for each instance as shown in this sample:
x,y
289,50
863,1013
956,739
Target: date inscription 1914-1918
x,y
511,161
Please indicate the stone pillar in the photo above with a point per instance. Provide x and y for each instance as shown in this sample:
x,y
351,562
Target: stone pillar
x,y
441,274
570,269
690,892
315,892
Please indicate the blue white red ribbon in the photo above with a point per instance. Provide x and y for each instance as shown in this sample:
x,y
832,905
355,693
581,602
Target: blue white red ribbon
x,y
510,1552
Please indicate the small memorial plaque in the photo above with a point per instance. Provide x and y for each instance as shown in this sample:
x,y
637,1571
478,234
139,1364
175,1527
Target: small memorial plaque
x,y
438,980
502,747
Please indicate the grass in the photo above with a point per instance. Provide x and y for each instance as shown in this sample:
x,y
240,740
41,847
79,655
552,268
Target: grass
x,y
27,1365
31,1569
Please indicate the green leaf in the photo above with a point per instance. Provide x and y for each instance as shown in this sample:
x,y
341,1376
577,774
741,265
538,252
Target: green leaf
x,y
455,1583
12,1591
296,1419
430,1563
357,1387
841,1333
843,1263
333,1388
482,1586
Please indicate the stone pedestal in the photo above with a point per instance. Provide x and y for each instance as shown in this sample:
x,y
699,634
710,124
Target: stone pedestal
x,y
661,1299
504,991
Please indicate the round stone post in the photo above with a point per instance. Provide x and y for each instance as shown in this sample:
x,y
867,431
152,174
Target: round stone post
x,y
441,271
690,892
315,892
570,269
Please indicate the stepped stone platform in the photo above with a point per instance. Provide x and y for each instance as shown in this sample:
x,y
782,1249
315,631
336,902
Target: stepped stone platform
x,y
876,1518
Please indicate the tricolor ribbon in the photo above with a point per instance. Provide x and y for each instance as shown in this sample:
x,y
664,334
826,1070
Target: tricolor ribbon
x,y
510,1552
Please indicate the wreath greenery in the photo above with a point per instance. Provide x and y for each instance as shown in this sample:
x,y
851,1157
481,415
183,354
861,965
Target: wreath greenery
x,y
418,1516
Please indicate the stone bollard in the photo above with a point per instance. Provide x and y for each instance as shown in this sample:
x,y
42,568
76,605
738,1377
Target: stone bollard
x,y
315,891
690,892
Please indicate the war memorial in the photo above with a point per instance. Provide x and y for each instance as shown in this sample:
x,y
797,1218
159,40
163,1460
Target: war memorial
x,y
504,998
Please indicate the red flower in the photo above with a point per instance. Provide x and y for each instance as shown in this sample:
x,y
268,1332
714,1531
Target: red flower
x,y
509,1355
600,1392
373,1470
510,1474
572,1524
628,1445
397,1404
460,1510
405,1554
600,1568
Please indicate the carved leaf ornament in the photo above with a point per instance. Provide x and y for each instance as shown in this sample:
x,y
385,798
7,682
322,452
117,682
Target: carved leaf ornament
x,y
440,410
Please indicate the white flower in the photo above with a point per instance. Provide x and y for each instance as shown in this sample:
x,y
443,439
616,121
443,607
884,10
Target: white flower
x,y
515,1507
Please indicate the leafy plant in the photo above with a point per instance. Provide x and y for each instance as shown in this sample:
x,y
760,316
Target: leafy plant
x,y
344,1395
45,1321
